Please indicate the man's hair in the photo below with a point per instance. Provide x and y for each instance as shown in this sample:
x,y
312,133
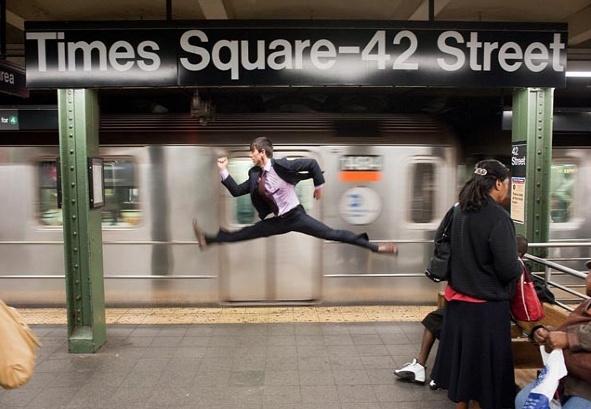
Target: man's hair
x,y
522,244
475,192
262,143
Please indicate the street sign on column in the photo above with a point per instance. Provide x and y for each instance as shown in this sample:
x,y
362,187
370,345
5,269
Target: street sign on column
x,y
518,181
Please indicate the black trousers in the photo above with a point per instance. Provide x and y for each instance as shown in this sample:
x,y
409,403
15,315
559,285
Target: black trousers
x,y
295,220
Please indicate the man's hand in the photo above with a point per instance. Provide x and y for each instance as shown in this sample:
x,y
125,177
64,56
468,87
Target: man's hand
x,y
541,335
222,162
317,194
556,339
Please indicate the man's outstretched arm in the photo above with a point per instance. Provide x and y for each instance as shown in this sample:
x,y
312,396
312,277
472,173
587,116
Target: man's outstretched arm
x,y
229,182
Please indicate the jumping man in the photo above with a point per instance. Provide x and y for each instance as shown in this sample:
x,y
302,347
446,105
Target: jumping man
x,y
271,184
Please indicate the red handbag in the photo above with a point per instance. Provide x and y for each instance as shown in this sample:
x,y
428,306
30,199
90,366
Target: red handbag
x,y
526,305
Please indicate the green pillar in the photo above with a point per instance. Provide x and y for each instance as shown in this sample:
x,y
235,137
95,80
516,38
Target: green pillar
x,y
532,129
78,124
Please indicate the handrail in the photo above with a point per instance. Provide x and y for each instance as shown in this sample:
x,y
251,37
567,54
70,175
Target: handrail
x,y
116,242
197,277
179,242
117,277
193,242
39,242
556,266
374,275
565,306
563,288
553,244
567,258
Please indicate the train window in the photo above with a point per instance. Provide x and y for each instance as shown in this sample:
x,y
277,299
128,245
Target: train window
x,y
122,204
121,207
243,212
49,214
422,195
562,189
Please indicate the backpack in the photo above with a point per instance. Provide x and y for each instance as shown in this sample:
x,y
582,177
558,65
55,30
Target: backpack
x,y
439,266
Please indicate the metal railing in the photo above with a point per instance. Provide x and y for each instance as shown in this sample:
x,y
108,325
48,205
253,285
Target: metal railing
x,y
115,277
556,244
181,242
110,277
550,265
192,243
110,242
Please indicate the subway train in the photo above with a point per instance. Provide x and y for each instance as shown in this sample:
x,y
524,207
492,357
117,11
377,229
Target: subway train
x,y
392,176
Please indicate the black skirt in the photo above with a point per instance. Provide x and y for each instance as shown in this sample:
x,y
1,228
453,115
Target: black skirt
x,y
474,360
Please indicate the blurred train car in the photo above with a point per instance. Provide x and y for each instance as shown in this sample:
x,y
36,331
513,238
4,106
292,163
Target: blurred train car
x,y
392,176
570,215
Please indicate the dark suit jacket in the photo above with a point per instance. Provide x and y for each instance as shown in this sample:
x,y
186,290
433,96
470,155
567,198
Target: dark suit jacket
x,y
292,171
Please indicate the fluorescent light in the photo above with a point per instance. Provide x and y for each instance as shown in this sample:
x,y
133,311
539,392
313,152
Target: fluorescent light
x,y
579,74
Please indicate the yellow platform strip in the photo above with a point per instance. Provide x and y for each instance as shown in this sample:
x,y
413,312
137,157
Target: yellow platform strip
x,y
232,315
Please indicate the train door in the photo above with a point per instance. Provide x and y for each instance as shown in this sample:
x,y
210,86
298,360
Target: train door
x,y
276,269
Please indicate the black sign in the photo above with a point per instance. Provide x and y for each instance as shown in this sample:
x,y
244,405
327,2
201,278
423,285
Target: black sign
x,y
294,53
9,120
518,160
12,79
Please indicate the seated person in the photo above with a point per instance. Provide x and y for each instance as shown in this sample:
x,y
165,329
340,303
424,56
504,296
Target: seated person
x,y
415,371
574,337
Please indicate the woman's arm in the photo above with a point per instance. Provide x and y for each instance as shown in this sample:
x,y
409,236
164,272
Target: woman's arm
x,y
504,250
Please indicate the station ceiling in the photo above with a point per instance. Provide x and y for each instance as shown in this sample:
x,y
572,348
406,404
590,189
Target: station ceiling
x,y
577,13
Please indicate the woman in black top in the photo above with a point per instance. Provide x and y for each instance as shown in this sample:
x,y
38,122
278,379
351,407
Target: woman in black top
x,y
474,361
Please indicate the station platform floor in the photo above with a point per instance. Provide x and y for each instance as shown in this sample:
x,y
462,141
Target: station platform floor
x,y
229,357
232,314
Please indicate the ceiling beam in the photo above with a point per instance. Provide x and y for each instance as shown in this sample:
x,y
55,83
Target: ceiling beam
x,y
422,12
579,27
213,9
15,20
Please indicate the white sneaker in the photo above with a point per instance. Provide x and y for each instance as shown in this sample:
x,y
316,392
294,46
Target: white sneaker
x,y
412,371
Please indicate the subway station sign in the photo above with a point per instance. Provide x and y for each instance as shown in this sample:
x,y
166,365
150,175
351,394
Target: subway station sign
x,y
12,79
294,53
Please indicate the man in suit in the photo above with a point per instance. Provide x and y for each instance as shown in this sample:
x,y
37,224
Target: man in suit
x,y
271,185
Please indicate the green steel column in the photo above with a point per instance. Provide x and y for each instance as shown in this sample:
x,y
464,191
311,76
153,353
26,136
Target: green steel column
x,y
532,124
78,123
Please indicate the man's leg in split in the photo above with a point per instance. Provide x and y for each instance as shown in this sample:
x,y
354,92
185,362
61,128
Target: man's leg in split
x,y
308,225
263,228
